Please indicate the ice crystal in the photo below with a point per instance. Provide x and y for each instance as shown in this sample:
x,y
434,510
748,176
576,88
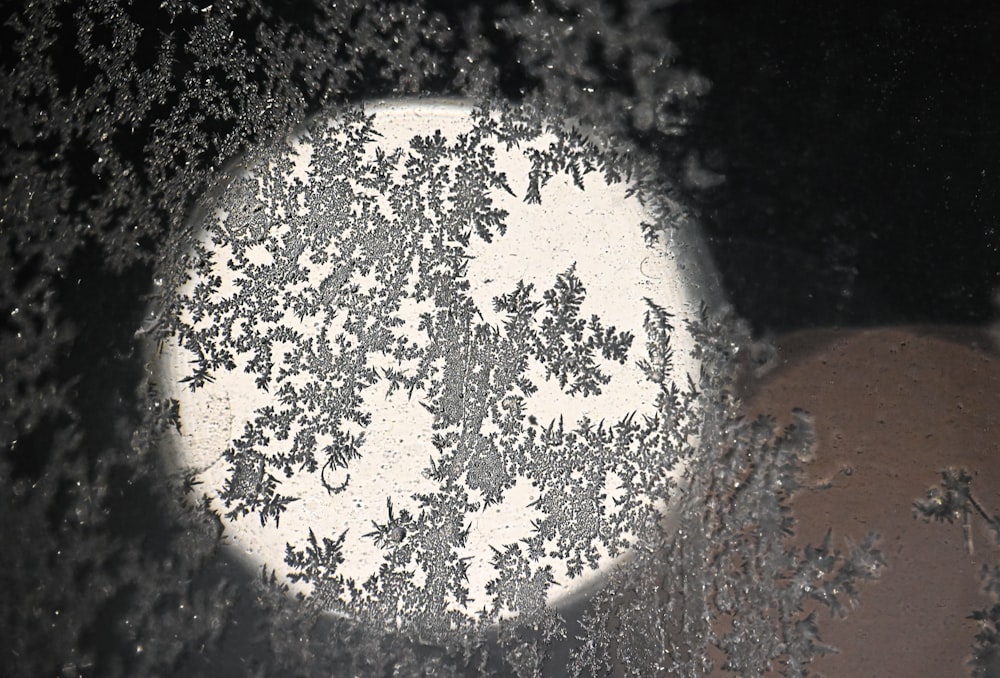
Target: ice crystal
x,y
952,500
393,229
726,581
985,661
117,117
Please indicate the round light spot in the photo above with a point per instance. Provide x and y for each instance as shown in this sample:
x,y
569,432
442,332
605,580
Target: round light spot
x,y
425,357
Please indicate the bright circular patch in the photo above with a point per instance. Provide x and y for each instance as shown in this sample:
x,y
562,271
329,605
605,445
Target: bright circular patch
x,y
425,356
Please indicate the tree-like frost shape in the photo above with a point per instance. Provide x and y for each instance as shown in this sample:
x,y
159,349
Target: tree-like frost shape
x,y
117,116
343,252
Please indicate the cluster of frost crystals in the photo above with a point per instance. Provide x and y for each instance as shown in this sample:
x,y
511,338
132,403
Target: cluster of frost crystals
x,y
584,52
368,234
117,116
721,588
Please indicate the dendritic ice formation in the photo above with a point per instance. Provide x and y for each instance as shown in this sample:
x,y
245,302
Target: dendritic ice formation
x,y
424,357
118,115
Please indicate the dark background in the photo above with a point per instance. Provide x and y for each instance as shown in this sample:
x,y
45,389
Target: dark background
x,y
860,145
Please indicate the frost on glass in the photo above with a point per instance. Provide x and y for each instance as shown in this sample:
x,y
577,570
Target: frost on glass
x,y
953,500
344,286
117,117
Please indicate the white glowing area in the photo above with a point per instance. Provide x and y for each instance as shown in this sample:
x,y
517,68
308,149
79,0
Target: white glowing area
x,y
409,401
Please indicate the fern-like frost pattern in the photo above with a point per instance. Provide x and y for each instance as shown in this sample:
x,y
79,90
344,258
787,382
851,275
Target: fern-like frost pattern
x,y
322,272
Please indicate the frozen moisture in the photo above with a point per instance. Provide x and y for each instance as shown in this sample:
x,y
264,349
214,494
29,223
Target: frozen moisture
x,y
433,338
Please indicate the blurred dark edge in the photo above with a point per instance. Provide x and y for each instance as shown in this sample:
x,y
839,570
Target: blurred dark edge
x,y
860,144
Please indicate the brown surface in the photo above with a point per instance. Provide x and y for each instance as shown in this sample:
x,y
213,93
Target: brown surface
x,y
892,408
